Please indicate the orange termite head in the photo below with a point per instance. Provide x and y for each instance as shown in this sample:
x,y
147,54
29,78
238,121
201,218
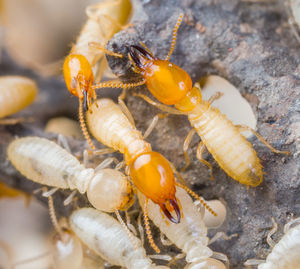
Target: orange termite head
x,y
79,77
153,176
166,81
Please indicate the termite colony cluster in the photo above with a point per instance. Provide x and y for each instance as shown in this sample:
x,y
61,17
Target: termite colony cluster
x,y
92,237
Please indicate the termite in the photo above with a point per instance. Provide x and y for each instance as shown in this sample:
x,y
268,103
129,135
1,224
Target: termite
x,y
171,85
285,254
151,173
16,93
105,19
45,162
67,249
106,237
190,235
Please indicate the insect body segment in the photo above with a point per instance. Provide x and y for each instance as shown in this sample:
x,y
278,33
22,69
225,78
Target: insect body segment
x,y
190,234
16,93
150,171
47,163
172,86
285,254
105,236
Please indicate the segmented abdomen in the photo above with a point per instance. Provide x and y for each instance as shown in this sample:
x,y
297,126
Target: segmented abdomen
x,y
231,150
105,235
16,93
43,161
109,125
285,254
190,234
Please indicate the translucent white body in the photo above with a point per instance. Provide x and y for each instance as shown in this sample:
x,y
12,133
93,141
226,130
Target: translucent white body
x,y
286,253
99,29
67,252
110,126
105,236
16,93
190,234
45,162
228,146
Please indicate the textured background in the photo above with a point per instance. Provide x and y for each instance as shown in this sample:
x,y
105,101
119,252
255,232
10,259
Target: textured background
x,y
249,44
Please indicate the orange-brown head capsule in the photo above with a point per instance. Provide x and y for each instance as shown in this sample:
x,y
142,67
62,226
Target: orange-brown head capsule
x,y
166,81
152,175
79,77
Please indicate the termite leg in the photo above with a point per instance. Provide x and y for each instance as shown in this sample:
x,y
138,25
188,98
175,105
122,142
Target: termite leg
x,y
129,225
148,231
252,262
48,193
126,229
186,145
165,241
200,150
287,227
107,162
162,107
153,124
174,36
175,258
62,141
70,198
140,227
124,108
243,128
270,241
214,97
13,121
100,47
221,235
99,152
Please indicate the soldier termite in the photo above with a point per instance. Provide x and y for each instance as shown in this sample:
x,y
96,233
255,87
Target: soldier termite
x,y
171,85
105,19
151,173
16,93
106,237
45,162
190,235
285,254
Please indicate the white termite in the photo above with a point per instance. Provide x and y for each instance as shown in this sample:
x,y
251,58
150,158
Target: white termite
x,y
286,253
190,235
16,93
106,237
45,162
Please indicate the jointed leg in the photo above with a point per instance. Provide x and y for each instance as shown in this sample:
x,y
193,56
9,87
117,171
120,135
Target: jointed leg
x,y
186,145
261,139
270,241
153,124
221,235
13,121
174,36
124,108
100,47
106,163
215,97
200,150
162,107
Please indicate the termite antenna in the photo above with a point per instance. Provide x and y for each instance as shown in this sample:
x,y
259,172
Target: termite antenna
x,y
174,36
83,125
53,216
148,230
196,196
126,229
